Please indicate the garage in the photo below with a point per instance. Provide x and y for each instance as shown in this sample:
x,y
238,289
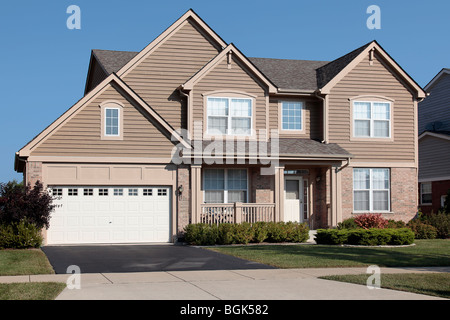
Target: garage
x,y
110,214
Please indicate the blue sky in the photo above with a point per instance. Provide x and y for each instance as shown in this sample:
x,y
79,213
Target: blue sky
x,y
44,64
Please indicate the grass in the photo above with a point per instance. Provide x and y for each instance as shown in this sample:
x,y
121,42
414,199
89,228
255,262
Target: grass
x,y
30,290
434,284
424,253
24,262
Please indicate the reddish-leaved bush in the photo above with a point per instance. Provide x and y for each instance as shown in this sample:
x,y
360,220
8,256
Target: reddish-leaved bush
x,y
371,220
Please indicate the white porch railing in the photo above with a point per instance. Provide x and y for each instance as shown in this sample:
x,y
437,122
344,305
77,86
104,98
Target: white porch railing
x,y
216,213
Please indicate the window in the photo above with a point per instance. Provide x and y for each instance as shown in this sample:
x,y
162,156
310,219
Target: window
x,y
232,116
57,192
291,116
88,192
112,121
147,192
102,192
162,192
225,185
132,192
118,192
371,190
371,119
425,193
72,192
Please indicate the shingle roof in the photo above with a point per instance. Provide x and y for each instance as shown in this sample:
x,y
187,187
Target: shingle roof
x,y
303,75
113,61
286,147
290,74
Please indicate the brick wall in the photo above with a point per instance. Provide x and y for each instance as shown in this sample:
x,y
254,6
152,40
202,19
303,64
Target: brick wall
x,y
33,173
183,199
438,189
261,187
404,198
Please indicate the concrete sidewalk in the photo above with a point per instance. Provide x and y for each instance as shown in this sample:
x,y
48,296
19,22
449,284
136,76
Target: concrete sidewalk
x,y
259,284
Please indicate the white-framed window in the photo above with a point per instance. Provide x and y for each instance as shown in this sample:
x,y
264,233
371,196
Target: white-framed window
x,y
57,192
229,116
225,185
102,192
147,192
112,122
443,198
292,115
371,119
88,192
371,190
425,193
162,192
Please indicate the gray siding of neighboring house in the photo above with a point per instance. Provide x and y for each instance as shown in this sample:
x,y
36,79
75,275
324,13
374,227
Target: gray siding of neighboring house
x,y
434,160
436,107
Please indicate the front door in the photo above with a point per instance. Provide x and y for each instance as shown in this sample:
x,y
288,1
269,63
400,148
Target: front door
x,y
293,199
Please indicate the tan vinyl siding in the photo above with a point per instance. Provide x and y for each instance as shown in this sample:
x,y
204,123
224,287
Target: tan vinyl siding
x,y
436,107
81,135
177,59
312,112
375,80
434,161
234,79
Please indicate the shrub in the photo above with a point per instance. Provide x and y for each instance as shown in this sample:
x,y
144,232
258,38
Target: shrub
x,y
276,232
395,224
371,220
20,235
243,233
441,221
365,237
201,234
347,224
296,232
422,230
225,233
18,203
260,232
331,236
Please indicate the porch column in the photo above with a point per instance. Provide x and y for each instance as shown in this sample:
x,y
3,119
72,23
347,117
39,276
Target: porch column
x,y
336,196
279,193
196,192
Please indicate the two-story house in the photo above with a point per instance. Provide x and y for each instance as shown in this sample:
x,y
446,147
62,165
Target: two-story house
x,y
434,143
191,130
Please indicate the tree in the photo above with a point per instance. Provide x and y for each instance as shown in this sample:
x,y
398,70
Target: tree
x,y
18,203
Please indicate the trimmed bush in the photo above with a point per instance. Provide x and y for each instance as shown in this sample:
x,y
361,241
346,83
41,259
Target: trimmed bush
x,y
20,235
365,237
260,232
243,233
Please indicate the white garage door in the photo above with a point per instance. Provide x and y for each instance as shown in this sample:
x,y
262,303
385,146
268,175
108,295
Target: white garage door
x,y
109,215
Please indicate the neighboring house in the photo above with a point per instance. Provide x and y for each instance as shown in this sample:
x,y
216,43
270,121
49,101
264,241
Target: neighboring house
x,y
434,143
341,139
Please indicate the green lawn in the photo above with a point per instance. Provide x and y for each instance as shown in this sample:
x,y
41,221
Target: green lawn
x,y
434,284
24,262
30,290
424,253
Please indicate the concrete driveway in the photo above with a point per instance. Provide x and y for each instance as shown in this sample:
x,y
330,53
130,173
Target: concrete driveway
x,y
142,258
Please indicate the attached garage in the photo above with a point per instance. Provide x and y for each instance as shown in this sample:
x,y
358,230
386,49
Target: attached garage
x,y
110,214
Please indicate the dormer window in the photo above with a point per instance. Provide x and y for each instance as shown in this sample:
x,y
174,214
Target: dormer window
x,y
112,120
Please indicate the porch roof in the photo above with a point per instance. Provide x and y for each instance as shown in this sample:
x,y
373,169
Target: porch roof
x,y
287,148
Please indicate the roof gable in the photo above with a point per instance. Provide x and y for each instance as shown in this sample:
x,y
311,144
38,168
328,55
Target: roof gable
x,y
70,113
436,79
230,49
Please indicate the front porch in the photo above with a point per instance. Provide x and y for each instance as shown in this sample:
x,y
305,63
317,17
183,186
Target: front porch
x,y
294,192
